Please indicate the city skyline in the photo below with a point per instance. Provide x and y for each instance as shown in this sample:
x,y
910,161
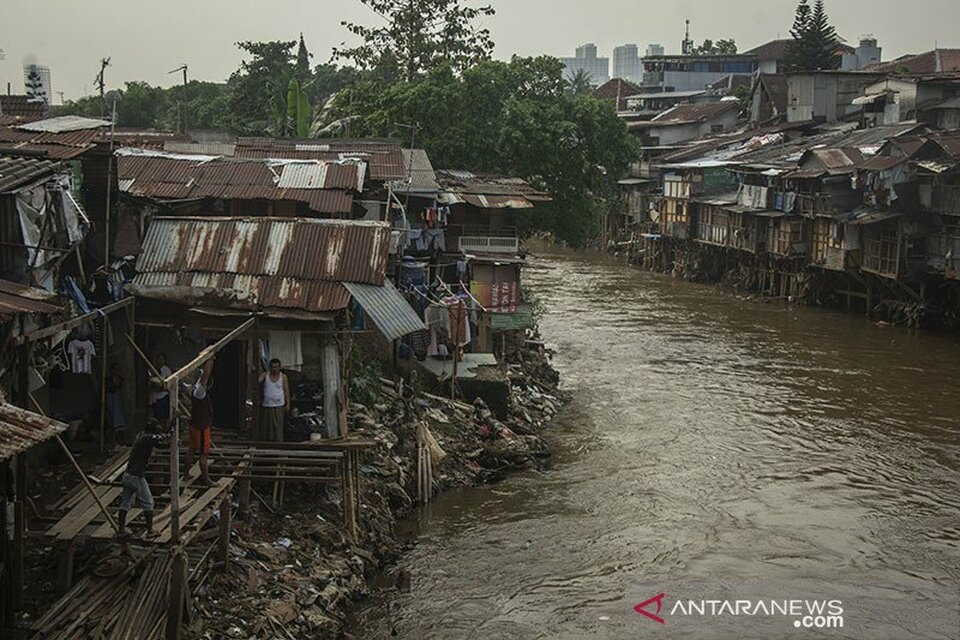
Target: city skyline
x,y
58,33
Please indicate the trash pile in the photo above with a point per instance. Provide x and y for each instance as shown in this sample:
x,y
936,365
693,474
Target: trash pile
x,y
293,573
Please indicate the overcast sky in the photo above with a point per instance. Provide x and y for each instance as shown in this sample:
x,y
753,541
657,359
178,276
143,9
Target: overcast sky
x,y
145,40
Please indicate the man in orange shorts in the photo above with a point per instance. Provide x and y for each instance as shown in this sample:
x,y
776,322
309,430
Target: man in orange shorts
x,y
201,422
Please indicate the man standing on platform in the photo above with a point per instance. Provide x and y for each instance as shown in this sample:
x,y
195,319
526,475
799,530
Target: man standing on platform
x,y
275,393
135,482
201,422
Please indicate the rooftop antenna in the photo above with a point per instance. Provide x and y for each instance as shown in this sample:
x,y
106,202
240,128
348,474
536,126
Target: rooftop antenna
x,y
186,101
687,47
99,81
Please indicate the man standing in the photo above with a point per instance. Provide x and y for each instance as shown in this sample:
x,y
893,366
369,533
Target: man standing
x,y
135,482
160,400
275,394
201,422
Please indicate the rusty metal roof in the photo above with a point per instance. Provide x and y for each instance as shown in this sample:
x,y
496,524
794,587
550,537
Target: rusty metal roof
x,y
324,187
19,171
55,145
25,107
383,157
21,430
690,113
16,298
261,263
488,191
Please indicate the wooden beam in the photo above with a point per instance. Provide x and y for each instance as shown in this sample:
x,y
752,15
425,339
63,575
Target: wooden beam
x,y
73,323
207,354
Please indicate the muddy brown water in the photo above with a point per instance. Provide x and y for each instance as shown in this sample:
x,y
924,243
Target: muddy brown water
x,y
715,449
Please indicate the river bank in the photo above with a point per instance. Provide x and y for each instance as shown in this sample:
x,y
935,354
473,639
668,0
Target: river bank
x,y
293,573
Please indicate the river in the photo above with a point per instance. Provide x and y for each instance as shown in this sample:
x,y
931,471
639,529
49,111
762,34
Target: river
x,y
716,448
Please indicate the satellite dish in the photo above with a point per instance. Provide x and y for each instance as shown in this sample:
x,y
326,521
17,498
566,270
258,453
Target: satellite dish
x,y
112,97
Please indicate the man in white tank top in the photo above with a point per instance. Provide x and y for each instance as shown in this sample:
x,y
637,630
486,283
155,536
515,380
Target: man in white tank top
x,y
275,402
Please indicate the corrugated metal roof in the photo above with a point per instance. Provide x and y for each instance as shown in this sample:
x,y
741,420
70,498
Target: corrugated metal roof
x,y
62,124
16,298
227,149
261,262
324,187
21,430
60,146
27,108
422,177
487,191
387,308
690,113
19,171
384,157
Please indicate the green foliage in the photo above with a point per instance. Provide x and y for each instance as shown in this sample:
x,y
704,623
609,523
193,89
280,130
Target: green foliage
x,y
515,118
720,47
815,43
580,84
418,36
365,373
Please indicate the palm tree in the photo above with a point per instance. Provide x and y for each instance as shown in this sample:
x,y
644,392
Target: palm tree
x,y
580,84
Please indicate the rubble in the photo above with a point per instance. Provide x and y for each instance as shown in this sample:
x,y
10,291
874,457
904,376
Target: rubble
x,y
294,574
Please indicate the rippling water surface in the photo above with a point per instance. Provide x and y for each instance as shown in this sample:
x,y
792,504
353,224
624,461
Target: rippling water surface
x,y
715,448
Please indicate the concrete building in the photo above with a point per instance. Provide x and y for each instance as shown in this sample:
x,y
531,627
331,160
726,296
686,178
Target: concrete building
x,y
627,63
586,60
654,50
826,96
694,73
867,53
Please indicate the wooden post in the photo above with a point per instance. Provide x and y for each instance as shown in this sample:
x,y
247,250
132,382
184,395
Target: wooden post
x,y
253,368
331,382
104,348
19,528
244,509
178,579
178,566
65,557
174,390
225,526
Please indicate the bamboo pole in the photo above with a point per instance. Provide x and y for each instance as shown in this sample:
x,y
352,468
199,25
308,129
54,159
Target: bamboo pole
x,y
103,379
76,465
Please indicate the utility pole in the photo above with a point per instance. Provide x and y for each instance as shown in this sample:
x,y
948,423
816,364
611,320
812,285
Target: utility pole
x,y
413,142
186,101
99,81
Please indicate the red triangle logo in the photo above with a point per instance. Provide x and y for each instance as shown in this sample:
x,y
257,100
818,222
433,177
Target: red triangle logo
x,y
642,608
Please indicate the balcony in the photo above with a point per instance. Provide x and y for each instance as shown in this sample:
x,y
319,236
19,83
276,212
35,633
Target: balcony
x,y
813,204
490,244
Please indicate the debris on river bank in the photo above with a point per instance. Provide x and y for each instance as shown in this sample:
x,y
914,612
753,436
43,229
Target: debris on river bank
x,y
292,573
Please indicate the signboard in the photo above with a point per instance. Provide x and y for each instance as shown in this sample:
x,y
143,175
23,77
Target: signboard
x,y
520,319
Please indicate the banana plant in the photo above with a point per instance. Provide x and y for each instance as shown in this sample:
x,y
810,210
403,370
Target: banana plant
x,y
298,110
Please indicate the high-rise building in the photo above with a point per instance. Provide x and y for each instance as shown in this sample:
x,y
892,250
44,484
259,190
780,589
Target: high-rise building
x,y
586,60
627,63
654,50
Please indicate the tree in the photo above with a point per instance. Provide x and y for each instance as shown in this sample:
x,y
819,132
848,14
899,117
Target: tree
x,y
720,47
581,83
419,35
303,61
815,43
516,118
260,85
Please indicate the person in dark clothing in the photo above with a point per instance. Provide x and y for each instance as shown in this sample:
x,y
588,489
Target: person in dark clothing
x,y
135,482
114,399
201,423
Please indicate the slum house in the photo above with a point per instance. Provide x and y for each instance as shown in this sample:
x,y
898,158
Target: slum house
x,y
826,96
768,100
686,122
298,276
910,98
16,110
384,160
78,142
21,433
616,91
939,195
160,182
937,60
